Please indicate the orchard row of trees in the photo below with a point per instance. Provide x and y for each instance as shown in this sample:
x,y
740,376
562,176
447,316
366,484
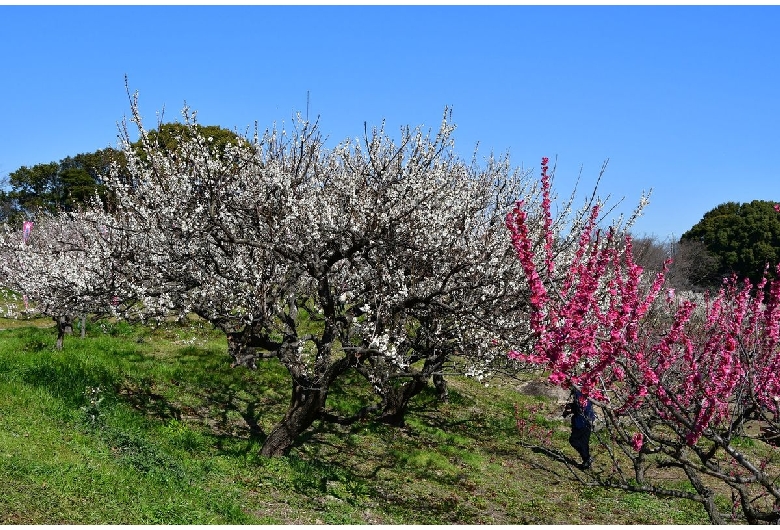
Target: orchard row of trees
x,y
387,258
393,259
730,239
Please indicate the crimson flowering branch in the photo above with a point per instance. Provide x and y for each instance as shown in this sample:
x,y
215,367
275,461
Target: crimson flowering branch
x,y
524,249
546,202
569,326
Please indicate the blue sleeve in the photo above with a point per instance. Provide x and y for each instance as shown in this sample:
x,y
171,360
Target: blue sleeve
x,y
589,412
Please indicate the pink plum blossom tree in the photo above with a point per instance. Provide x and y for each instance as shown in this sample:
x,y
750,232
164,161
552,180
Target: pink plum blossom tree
x,y
687,392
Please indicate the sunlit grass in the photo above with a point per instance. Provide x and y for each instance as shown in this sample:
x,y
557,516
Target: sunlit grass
x,y
136,425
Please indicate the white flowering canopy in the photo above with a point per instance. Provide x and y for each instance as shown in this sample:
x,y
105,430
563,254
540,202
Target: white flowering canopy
x,y
391,257
59,265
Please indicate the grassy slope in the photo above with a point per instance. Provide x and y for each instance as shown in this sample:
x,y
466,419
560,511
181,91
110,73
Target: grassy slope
x,y
175,433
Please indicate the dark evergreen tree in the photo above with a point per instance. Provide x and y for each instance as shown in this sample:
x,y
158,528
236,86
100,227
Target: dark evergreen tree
x,y
73,181
743,237
60,186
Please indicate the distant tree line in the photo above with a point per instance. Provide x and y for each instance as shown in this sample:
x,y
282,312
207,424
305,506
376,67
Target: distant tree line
x,y
74,181
57,186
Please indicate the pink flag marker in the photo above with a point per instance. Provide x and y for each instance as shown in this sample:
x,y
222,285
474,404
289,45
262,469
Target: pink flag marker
x,y
27,227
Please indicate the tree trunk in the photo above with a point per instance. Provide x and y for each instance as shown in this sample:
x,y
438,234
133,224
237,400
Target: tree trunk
x,y
245,344
639,468
441,387
240,351
305,407
396,401
64,326
708,496
307,403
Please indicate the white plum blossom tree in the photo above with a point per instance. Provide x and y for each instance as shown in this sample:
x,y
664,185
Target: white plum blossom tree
x,y
387,258
390,258
62,266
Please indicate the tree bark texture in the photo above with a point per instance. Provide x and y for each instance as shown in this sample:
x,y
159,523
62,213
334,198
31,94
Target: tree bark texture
x,y
64,325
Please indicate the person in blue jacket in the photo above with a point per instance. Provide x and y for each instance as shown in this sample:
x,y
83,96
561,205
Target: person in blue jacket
x,y
582,420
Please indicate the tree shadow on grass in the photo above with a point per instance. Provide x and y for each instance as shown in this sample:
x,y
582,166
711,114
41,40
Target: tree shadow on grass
x,y
143,399
218,397
554,455
409,473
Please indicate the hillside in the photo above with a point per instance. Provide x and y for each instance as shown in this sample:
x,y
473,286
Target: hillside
x,y
139,426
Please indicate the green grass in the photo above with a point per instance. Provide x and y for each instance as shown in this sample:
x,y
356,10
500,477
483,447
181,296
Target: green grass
x,y
134,425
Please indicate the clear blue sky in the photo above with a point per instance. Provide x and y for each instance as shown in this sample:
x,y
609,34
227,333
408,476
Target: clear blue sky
x,y
684,100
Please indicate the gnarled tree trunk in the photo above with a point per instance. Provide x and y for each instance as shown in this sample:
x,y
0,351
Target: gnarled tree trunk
x,y
306,406
396,400
441,387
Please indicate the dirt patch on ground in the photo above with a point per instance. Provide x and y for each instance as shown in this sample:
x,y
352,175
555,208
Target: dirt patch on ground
x,y
544,389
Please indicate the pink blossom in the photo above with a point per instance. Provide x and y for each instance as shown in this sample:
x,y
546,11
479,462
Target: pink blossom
x,y
637,441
